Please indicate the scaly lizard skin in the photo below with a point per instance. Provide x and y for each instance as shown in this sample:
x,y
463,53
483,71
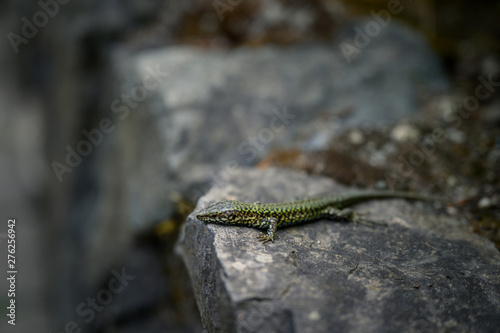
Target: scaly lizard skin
x,y
278,215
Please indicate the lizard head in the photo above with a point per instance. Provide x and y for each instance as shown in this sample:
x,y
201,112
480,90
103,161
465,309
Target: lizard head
x,y
223,212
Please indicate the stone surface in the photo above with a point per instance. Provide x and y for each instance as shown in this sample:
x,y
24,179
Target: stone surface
x,y
168,142
183,113
180,114
422,272
209,110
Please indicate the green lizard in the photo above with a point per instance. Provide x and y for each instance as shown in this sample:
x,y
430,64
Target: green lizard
x,y
272,216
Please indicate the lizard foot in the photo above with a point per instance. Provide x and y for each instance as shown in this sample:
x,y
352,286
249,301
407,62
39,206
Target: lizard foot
x,y
272,224
265,238
360,218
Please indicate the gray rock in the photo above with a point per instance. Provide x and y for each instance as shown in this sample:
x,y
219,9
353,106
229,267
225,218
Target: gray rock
x,y
423,272
213,110
208,110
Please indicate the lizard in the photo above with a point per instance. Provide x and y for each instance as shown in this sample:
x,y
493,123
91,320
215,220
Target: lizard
x,y
272,216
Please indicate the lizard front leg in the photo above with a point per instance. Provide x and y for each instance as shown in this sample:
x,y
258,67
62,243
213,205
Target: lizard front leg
x,y
271,224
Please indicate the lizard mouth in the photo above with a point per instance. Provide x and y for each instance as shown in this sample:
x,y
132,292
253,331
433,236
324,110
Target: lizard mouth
x,y
207,215
204,215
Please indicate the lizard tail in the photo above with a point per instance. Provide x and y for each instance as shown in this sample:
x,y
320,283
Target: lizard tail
x,y
354,198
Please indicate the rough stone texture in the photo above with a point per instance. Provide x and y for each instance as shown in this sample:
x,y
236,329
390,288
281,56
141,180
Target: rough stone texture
x,y
215,110
211,106
423,272
192,123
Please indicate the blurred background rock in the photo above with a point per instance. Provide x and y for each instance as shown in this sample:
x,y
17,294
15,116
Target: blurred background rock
x,y
121,206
